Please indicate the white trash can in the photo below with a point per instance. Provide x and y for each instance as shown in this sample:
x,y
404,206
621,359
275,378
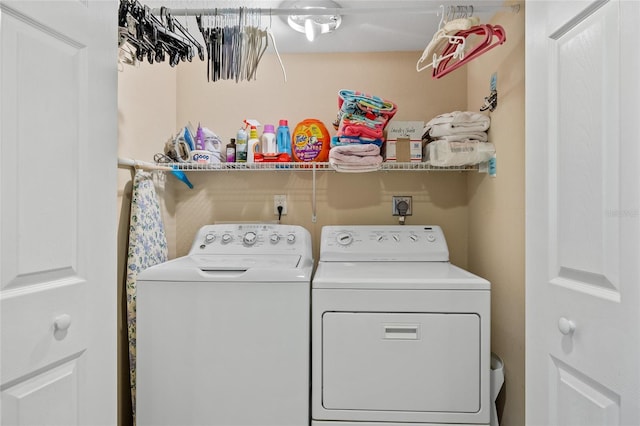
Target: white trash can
x,y
497,380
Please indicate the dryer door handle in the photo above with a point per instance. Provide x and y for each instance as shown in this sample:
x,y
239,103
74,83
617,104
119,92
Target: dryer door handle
x,y
401,331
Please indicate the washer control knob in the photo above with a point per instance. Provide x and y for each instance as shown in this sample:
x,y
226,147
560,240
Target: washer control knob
x,y
413,237
227,238
209,238
431,238
274,238
250,238
344,238
396,238
291,238
380,238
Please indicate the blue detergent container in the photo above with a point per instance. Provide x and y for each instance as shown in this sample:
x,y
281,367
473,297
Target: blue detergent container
x,y
283,137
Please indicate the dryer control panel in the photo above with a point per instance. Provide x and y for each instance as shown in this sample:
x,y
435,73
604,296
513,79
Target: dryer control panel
x,y
384,243
252,239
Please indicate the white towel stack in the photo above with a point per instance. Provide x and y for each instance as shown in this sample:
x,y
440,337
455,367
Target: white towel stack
x,y
458,138
355,158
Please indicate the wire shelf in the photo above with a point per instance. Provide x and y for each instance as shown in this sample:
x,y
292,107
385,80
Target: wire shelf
x,y
297,166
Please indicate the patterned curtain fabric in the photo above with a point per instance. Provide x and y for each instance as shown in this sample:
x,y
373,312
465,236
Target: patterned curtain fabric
x,y
147,247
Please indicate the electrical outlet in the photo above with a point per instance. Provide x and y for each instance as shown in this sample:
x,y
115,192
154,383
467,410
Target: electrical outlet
x,y
279,200
396,199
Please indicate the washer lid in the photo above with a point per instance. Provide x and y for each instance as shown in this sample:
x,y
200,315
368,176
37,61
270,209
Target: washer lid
x,y
231,268
243,262
396,275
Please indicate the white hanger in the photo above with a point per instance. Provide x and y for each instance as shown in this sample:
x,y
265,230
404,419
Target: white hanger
x,y
273,39
435,59
446,34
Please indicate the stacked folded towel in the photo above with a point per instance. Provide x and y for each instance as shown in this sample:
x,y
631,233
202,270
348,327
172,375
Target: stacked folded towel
x,y
361,118
458,126
461,135
360,124
355,158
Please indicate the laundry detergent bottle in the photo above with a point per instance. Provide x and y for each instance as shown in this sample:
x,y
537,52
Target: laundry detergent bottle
x,y
231,151
241,146
310,141
253,144
268,140
283,137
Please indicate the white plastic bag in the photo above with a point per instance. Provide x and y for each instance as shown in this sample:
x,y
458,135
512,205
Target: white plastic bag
x,y
441,153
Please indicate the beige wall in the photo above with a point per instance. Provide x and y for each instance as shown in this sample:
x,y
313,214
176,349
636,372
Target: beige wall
x,y
496,209
311,92
146,117
473,209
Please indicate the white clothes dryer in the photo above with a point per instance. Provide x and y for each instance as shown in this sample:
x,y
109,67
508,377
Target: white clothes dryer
x,y
399,335
223,333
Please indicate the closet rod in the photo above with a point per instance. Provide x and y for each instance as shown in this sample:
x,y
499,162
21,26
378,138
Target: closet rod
x,y
331,11
137,164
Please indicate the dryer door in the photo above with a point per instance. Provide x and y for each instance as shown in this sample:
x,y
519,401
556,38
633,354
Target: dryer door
x,y
424,362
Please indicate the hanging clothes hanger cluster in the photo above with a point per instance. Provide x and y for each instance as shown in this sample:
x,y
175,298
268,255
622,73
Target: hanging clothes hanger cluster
x,y
143,35
451,46
235,44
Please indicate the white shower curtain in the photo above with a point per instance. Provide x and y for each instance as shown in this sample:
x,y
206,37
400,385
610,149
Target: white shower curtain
x,y
147,247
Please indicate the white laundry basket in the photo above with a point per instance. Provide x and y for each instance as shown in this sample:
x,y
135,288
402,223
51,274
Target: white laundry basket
x,y
497,380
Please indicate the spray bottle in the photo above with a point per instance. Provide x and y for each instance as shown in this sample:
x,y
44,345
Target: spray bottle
x,y
253,144
241,144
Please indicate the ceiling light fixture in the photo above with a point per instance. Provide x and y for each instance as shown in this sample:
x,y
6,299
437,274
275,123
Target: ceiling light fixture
x,y
311,21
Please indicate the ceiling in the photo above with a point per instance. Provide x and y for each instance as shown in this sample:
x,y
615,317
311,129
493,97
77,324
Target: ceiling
x,y
400,25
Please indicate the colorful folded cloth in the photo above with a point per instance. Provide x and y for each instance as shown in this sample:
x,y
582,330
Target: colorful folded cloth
x,y
362,104
366,103
354,140
359,126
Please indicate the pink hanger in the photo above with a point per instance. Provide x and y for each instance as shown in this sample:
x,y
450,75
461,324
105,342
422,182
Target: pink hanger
x,y
486,44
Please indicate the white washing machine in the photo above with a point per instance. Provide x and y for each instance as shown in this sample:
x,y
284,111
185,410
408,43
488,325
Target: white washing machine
x,y
223,333
399,335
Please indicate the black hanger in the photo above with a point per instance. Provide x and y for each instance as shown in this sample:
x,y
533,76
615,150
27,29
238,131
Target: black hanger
x,y
155,38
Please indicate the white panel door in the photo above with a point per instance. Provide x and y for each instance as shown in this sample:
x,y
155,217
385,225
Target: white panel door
x,y
57,212
582,215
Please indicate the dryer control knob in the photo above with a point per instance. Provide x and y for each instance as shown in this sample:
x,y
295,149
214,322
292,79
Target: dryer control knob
x,y
209,238
250,238
291,238
344,238
413,237
227,238
274,238
431,238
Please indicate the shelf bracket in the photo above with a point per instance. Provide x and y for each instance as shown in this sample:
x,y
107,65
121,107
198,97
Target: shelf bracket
x,y
314,216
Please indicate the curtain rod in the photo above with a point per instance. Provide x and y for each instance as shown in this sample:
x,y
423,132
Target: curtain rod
x,y
330,11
